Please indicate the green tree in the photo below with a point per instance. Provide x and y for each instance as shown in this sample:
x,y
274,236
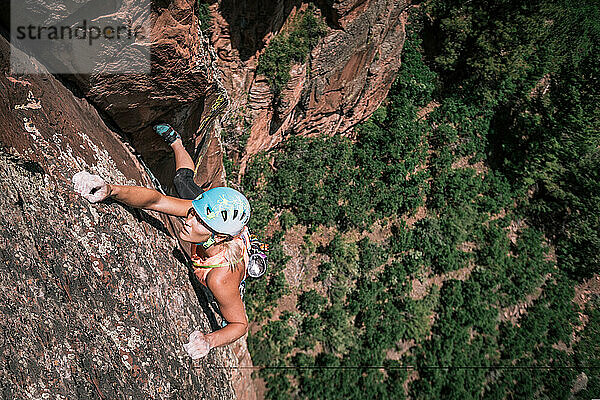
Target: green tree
x,y
311,302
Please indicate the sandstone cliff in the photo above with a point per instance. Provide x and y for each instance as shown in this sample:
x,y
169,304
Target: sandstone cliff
x,y
96,299
182,87
345,78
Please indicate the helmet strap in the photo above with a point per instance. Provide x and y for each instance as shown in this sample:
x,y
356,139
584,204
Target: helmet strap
x,y
213,241
209,242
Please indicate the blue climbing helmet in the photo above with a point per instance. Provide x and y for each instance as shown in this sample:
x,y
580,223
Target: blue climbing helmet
x,y
223,209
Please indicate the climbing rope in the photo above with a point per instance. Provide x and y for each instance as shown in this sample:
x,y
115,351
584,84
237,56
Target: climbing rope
x,y
219,107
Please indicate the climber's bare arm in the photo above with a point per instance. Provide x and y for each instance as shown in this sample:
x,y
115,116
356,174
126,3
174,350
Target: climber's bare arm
x,y
150,199
227,294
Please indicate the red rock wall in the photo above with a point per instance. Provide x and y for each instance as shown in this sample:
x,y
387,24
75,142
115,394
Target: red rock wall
x,y
100,302
241,377
94,300
346,78
180,90
344,81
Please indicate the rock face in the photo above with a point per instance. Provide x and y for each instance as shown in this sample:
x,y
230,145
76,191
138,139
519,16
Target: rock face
x,y
181,89
95,301
243,385
345,79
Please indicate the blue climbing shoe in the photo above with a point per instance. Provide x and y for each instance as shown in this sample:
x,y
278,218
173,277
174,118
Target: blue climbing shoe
x,y
166,132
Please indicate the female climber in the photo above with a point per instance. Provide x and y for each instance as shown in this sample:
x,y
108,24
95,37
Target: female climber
x,y
215,224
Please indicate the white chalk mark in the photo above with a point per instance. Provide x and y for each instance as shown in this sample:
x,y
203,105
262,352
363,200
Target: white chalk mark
x,y
32,103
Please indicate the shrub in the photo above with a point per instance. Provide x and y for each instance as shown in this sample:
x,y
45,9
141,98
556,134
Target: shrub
x,y
290,47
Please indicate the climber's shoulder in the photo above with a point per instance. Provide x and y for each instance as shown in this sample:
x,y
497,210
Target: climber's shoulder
x,y
223,280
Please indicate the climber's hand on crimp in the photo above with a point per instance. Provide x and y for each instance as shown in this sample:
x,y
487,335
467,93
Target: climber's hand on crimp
x,y
198,346
91,187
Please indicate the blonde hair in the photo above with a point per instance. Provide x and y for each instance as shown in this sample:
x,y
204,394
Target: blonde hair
x,y
234,253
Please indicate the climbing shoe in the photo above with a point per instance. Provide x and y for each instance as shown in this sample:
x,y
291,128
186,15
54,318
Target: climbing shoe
x,y
166,132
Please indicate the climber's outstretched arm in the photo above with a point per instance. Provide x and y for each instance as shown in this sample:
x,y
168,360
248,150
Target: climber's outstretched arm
x,y
227,295
95,189
150,199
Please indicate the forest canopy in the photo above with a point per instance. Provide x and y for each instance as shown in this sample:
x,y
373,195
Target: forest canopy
x,y
484,163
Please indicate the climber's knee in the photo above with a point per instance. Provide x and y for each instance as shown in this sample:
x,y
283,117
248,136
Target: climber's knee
x,y
184,184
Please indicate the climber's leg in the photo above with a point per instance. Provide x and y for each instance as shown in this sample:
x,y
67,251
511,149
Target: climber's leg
x,y
182,157
184,173
185,185
184,165
169,135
